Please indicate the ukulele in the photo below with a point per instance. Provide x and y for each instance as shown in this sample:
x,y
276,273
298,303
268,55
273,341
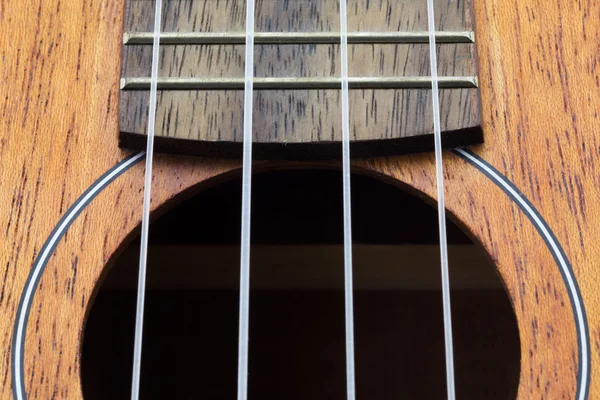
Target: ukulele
x,y
119,113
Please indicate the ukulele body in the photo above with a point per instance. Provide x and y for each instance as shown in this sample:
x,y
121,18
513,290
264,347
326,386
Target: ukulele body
x,y
529,195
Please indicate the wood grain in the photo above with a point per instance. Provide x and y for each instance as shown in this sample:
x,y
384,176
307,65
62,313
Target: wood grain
x,y
540,89
383,121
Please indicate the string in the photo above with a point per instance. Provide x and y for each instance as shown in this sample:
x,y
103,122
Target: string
x,y
348,287
246,197
139,312
439,175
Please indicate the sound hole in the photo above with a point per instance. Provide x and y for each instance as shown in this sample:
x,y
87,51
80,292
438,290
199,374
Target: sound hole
x,y
296,303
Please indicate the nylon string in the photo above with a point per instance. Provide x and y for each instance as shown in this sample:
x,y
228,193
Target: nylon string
x,y
141,291
246,197
348,286
439,175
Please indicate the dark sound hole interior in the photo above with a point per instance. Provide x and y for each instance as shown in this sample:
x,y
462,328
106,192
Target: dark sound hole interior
x,y
297,300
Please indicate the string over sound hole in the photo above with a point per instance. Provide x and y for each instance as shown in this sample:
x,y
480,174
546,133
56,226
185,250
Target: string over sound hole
x,y
297,320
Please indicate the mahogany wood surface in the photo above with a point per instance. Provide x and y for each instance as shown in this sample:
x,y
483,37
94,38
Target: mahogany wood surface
x,y
540,88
